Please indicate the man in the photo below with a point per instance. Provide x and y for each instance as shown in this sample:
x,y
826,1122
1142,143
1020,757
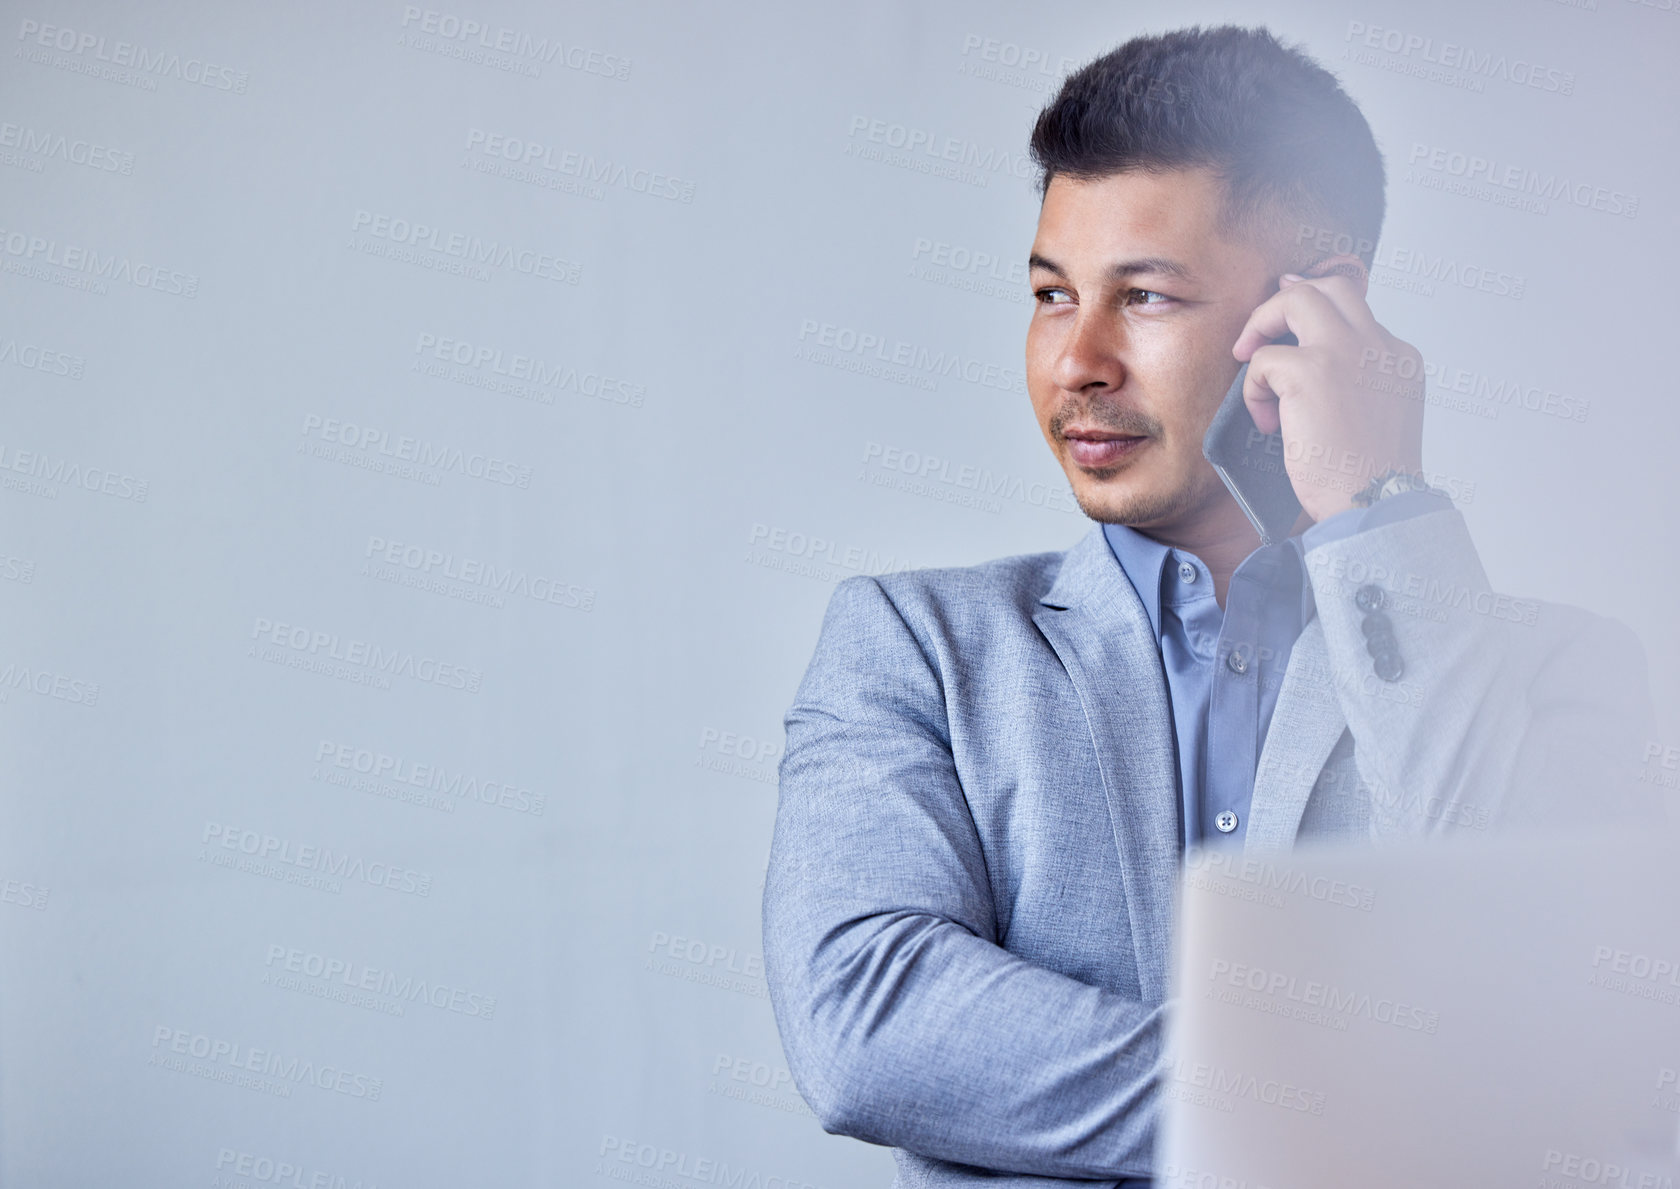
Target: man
x,y
992,772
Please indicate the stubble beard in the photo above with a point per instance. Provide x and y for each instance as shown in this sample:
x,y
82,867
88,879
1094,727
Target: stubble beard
x,y
1145,507
1135,506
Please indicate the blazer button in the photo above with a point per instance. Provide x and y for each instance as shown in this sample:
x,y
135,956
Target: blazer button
x,y
1379,633
1381,641
1225,822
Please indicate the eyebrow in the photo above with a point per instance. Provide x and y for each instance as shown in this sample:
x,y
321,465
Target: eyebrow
x,y
1121,269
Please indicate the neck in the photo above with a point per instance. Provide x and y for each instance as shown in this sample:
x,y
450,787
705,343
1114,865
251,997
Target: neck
x,y
1222,537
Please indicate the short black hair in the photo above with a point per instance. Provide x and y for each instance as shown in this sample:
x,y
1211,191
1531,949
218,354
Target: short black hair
x,y
1276,125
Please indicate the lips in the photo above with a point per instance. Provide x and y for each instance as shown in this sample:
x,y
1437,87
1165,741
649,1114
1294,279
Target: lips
x,y
1097,448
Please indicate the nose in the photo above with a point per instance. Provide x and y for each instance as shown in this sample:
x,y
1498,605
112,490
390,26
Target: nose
x,y
1090,355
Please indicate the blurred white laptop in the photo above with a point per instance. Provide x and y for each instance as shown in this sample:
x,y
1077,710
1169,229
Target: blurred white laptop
x,y
1487,1014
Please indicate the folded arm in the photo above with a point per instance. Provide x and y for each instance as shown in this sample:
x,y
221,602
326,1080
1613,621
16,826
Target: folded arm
x,y
903,1021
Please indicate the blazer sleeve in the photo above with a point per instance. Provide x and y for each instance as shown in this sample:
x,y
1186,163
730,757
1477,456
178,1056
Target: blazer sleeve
x,y
1508,711
903,1020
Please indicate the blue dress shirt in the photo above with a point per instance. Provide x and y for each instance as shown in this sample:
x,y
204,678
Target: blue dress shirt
x,y
1224,668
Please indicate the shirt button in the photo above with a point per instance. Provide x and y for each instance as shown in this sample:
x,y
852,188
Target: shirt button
x,y
1186,572
1237,662
1226,822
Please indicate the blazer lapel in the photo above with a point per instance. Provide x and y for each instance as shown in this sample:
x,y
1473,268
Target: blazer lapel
x,y
1099,629
1306,722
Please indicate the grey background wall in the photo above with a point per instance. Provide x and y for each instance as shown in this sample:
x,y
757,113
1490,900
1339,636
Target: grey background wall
x,y
431,436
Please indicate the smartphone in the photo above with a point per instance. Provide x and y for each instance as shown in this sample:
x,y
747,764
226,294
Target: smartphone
x,y
1251,464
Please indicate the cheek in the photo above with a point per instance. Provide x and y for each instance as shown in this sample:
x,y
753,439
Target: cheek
x,y
1178,403
1199,381
1169,350
1043,407
1040,363
1040,351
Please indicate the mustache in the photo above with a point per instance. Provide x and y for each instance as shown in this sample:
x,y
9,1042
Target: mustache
x,y
1118,419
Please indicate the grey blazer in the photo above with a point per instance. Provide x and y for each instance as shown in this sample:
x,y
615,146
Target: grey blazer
x,y
968,905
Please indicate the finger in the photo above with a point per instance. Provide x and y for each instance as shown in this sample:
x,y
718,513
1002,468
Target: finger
x,y
1347,294
1266,375
1300,309
1344,264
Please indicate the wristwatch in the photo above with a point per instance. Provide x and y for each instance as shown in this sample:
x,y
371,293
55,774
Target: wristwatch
x,y
1392,482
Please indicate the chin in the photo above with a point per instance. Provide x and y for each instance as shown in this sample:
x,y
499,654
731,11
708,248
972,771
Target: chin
x,y
1127,503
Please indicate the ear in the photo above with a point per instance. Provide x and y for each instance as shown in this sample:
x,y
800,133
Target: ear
x,y
1343,264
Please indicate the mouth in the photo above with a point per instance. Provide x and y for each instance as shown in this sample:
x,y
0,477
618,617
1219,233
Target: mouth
x,y
1098,449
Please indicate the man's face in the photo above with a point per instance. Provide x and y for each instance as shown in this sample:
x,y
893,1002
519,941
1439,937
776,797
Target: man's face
x,y
1139,299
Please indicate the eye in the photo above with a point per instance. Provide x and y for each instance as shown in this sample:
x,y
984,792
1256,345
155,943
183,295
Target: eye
x,y
1040,295
1136,296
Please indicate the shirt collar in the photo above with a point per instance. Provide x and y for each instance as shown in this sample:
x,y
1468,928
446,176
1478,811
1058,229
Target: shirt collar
x,y
1142,559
